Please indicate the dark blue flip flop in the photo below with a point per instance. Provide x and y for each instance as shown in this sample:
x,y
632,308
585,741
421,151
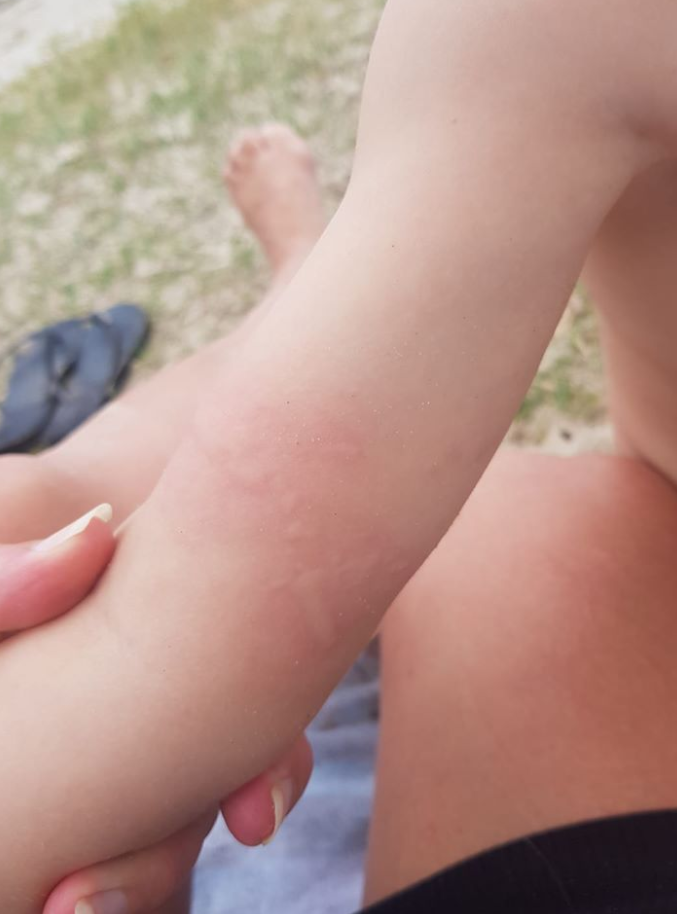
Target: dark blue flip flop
x,y
107,344
132,328
31,393
68,336
40,362
88,385
65,373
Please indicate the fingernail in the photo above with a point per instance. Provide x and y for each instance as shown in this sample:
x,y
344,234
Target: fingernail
x,y
114,902
281,795
103,512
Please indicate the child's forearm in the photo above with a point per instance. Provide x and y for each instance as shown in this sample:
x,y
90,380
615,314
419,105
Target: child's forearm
x,y
322,471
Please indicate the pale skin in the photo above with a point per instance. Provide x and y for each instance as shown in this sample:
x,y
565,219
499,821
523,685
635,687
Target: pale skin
x,y
354,431
549,654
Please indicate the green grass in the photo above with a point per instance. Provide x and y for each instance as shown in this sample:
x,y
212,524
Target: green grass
x,y
111,156
570,381
555,387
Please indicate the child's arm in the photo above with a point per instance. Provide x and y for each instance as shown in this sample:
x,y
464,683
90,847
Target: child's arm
x,y
324,466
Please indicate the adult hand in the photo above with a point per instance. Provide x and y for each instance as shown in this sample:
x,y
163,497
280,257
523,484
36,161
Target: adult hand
x,y
142,882
41,581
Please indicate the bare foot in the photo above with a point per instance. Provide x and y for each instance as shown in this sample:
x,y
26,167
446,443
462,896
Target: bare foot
x,y
270,174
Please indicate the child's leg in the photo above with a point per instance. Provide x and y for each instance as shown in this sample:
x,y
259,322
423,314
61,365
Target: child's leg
x,y
632,273
118,456
529,680
328,460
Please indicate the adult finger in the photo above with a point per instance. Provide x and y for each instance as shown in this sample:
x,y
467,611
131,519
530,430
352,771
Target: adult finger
x,y
255,812
39,581
136,883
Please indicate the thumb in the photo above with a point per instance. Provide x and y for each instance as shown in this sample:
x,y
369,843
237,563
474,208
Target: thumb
x,y
39,581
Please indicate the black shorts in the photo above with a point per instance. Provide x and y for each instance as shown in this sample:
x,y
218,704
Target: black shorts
x,y
626,865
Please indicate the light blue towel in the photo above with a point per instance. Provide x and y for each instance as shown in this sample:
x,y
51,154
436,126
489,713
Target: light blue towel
x,y
316,863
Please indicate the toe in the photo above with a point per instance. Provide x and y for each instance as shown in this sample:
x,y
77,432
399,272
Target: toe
x,y
243,149
285,137
275,131
282,135
250,147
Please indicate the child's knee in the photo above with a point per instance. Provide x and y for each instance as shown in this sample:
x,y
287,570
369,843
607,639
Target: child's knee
x,y
544,631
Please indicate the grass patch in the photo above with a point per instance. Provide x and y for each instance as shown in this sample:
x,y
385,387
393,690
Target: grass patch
x,y
570,380
111,156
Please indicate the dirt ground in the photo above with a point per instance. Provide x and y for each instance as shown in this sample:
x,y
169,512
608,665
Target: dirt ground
x,y
28,29
110,158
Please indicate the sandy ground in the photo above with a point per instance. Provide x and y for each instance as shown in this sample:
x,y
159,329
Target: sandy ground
x,y
29,27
